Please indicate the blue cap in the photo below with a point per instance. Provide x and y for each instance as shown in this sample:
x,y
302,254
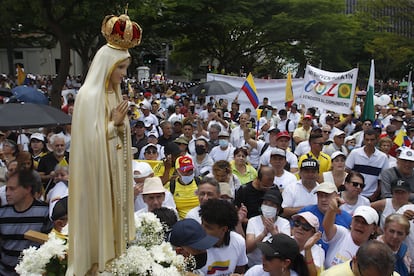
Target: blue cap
x,y
188,232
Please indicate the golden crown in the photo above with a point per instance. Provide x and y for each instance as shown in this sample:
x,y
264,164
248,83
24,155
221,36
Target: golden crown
x,y
120,32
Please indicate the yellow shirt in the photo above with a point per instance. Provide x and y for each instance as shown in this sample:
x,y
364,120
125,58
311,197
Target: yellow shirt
x,y
323,159
302,133
185,197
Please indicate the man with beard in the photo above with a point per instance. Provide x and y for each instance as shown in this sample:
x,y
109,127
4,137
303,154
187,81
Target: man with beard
x,y
48,162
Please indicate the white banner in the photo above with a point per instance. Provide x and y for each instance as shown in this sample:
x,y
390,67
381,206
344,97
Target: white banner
x,y
329,90
273,89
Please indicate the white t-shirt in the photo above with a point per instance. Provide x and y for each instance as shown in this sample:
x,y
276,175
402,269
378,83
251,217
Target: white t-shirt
x,y
237,137
302,148
257,270
255,226
296,195
194,214
341,247
23,140
218,154
291,158
350,209
286,179
318,255
224,260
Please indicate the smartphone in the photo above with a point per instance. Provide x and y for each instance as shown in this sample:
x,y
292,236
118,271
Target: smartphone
x,y
269,114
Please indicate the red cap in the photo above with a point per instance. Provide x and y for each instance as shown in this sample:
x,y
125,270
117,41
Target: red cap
x,y
184,164
147,94
282,134
308,117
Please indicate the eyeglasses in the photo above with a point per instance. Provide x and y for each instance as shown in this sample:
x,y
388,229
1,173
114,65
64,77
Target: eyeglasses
x,y
305,226
151,152
357,184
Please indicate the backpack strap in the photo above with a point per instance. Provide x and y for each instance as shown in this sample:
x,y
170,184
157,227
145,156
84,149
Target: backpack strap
x,y
173,182
266,145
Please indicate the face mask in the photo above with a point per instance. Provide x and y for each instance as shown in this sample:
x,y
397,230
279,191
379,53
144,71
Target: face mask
x,y
200,150
201,260
350,147
223,143
186,179
268,211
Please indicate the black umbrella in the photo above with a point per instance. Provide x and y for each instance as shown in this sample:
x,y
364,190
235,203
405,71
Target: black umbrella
x,y
27,115
212,88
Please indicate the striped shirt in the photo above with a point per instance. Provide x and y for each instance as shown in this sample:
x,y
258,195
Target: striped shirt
x,y
13,225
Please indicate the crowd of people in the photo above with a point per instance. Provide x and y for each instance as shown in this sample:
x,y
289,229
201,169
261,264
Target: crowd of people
x,y
294,192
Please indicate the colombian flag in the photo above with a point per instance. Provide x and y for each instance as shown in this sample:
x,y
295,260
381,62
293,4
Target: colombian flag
x,y
250,89
401,139
289,90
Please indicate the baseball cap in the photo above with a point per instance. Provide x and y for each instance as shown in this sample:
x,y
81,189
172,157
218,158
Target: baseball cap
x,y
280,246
309,163
336,154
153,133
326,187
274,196
184,164
349,138
181,140
204,138
226,115
406,154
277,151
147,122
273,129
310,218
145,106
141,169
37,136
139,123
368,213
153,185
400,184
338,133
283,134
397,118
308,117
60,209
223,133
147,94
188,232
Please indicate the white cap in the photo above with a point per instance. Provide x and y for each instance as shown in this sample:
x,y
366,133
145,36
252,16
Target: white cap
x,y
141,169
327,187
277,151
153,133
338,132
38,136
310,218
368,213
147,122
224,133
336,154
406,154
226,115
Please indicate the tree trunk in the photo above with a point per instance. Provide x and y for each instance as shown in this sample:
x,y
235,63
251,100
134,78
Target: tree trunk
x,y
63,72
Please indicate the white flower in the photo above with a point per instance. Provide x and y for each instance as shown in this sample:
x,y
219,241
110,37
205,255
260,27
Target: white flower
x,y
34,259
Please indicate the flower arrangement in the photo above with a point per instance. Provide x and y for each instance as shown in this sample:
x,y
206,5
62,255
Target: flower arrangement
x,y
148,254
48,259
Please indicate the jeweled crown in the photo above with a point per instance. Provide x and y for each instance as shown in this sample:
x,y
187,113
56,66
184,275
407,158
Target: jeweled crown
x,y
120,32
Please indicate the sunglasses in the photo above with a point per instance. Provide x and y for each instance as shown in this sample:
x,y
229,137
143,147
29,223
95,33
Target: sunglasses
x,y
305,226
357,184
327,131
151,152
